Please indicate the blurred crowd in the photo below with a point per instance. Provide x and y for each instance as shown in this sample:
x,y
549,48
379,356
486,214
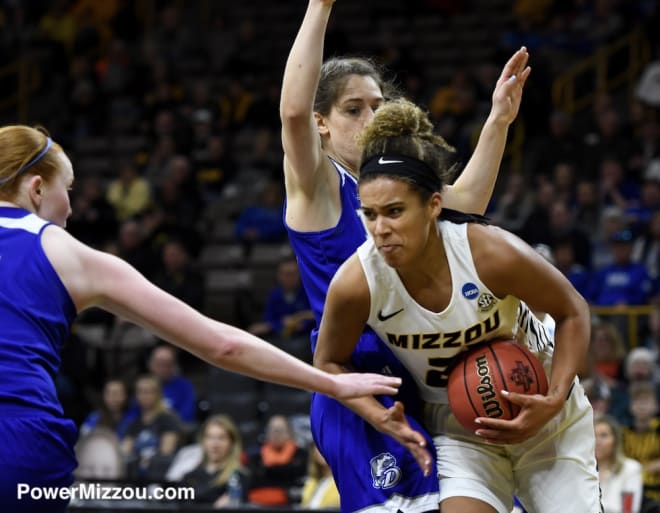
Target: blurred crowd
x,y
169,110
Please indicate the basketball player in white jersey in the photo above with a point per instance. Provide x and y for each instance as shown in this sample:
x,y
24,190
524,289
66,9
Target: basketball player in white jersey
x,y
431,291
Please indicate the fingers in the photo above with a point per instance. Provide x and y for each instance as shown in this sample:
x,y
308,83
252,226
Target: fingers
x,y
356,385
423,458
385,384
515,65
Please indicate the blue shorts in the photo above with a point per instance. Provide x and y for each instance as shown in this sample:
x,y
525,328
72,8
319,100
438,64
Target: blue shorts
x,y
371,469
36,452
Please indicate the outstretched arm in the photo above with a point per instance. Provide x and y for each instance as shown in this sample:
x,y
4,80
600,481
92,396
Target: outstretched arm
x,y
300,137
472,190
99,279
344,317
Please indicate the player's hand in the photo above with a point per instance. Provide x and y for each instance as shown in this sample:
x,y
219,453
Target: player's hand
x,y
509,88
535,412
396,425
357,384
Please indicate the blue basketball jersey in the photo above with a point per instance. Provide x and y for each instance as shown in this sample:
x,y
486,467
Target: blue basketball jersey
x,y
372,470
36,313
321,253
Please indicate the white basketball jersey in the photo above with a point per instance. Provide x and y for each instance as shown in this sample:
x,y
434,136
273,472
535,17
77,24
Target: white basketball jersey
x,y
427,342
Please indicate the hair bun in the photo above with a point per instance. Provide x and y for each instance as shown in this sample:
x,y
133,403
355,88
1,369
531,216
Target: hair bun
x,y
400,118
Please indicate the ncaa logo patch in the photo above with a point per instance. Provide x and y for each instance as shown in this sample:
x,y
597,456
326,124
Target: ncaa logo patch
x,y
384,471
470,291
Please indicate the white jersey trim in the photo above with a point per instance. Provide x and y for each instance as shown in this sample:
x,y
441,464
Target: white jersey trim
x,y
420,504
30,223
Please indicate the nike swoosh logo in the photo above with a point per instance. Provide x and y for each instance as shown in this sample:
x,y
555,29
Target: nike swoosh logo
x,y
382,317
383,161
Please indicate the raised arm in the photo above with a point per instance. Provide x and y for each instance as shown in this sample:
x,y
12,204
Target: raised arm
x,y
473,189
344,318
300,137
99,279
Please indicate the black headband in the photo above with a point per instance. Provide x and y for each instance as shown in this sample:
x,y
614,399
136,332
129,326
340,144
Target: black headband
x,y
401,166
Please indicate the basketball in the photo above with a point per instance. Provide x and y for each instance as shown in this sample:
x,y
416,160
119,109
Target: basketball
x,y
477,379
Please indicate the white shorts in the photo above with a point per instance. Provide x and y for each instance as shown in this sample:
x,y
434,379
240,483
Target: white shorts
x,y
553,472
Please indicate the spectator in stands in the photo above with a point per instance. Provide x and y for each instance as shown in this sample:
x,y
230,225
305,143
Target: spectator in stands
x,y
178,194
620,476
641,440
447,100
152,438
537,224
640,214
279,466
237,99
646,247
320,490
287,313
93,218
222,463
132,246
161,151
612,220
263,222
214,165
99,456
129,193
587,205
514,205
113,412
616,188
178,391
598,393
557,144
623,282
607,352
639,367
577,274
178,276
564,179
562,226
652,339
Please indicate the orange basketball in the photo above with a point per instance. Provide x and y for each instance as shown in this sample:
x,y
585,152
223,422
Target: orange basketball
x,y
476,381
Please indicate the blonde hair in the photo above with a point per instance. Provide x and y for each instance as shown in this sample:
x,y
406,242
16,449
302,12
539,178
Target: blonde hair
x,y
19,145
233,463
399,127
618,456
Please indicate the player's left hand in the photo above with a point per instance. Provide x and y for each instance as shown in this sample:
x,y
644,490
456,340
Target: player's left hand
x,y
509,88
396,425
535,412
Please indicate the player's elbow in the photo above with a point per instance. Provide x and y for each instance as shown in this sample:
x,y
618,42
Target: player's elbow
x,y
225,351
293,112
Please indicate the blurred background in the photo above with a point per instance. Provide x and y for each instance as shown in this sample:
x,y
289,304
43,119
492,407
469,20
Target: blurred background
x,y
169,112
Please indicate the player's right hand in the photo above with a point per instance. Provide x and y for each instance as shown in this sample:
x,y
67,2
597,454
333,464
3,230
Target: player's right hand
x,y
396,425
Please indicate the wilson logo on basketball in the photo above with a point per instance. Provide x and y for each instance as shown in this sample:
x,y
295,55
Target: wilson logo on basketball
x,y
485,389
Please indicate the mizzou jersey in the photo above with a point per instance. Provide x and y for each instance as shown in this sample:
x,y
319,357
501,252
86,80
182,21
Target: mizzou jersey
x,y
428,342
